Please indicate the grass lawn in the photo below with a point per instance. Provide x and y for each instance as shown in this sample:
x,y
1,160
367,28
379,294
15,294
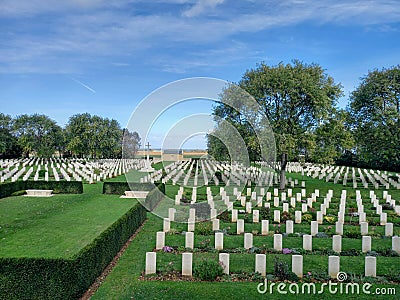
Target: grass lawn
x,y
57,226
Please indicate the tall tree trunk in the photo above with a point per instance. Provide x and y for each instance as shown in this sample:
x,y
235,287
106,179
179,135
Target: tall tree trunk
x,y
282,182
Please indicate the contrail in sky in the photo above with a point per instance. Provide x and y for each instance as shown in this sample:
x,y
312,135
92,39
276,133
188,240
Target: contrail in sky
x,y
84,85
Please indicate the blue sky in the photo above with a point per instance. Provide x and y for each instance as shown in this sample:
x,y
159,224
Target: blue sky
x,y
60,58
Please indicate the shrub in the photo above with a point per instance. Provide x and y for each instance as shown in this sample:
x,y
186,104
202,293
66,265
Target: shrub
x,y
265,213
307,218
330,219
207,270
224,216
352,234
350,252
282,271
203,228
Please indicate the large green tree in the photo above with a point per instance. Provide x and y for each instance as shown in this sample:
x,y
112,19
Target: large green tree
x,y
295,97
93,136
333,139
37,134
375,111
8,142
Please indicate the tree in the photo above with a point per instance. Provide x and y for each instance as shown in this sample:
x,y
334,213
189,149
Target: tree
x,y
36,134
375,118
296,98
130,143
8,142
333,139
93,136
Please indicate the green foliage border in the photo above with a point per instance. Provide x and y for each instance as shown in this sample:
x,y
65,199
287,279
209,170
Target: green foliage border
x,y
153,198
58,187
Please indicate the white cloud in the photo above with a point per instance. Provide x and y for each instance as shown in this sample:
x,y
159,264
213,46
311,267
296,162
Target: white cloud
x,y
86,30
201,6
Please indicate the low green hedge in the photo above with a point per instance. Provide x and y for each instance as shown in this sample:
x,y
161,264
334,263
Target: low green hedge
x,y
39,278
119,188
153,198
58,187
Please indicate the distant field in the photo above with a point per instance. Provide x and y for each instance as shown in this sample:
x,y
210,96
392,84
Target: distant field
x,y
58,226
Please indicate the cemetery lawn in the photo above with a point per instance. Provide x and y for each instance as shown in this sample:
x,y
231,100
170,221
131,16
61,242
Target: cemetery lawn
x,y
57,226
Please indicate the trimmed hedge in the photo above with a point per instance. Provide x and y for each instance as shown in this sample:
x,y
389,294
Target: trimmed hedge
x,y
119,188
153,198
58,187
39,278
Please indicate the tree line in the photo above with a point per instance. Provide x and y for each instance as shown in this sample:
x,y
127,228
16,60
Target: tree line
x,y
301,103
84,135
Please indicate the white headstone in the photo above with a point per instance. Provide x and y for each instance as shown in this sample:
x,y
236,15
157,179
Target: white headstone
x,y
289,226
189,240
219,240
278,242
370,266
389,229
248,207
396,244
191,225
337,243
239,226
297,217
314,228
256,216
264,227
160,240
186,264
215,224
166,225
307,242
151,261
285,207
192,213
366,243
334,266
319,217
339,228
277,216
383,218
364,228
261,264
297,265
248,240
234,215
171,214
224,260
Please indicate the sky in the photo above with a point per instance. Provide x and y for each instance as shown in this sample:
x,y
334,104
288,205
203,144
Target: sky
x,y
104,57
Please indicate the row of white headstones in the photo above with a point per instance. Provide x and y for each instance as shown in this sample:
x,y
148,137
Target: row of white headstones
x,y
77,170
277,241
342,174
265,199
231,174
260,263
